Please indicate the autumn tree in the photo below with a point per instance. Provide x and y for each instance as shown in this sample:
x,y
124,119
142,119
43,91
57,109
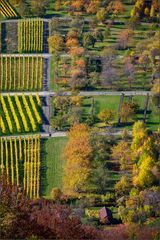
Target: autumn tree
x,y
122,153
124,39
40,219
122,187
71,42
78,78
58,4
38,8
93,6
118,7
126,112
140,134
145,154
101,15
56,43
142,173
76,52
109,73
129,71
106,116
77,164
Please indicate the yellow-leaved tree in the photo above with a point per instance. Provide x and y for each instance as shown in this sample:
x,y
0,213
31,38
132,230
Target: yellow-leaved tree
x,y
78,154
145,154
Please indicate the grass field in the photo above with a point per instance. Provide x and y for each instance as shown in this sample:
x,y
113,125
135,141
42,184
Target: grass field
x,y
52,165
101,102
112,102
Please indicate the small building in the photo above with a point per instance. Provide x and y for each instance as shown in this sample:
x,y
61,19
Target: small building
x,y
105,215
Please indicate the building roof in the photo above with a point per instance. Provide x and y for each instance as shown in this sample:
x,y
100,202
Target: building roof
x,y
105,212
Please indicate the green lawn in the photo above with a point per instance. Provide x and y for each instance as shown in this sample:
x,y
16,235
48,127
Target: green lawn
x,y
101,102
153,120
52,165
112,102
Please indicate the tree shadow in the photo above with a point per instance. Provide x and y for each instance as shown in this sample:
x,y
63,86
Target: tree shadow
x,y
43,169
3,38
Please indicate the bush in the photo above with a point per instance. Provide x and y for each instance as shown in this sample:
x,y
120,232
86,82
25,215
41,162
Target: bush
x,y
56,194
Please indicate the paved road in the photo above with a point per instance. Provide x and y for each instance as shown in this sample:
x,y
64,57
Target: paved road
x,y
44,55
64,134
83,93
16,20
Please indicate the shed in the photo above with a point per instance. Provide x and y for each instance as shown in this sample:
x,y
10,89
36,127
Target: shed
x,y
105,215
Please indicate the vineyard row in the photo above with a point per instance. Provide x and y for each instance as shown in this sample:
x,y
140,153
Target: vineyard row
x,y
20,162
30,35
20,114
21,73
6,10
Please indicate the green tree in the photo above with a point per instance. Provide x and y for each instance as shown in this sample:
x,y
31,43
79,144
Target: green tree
x,y
123,186
107,33
88,40
98,35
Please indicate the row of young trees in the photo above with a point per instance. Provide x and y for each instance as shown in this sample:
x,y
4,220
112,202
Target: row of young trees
x,y
100,8
21,73
20,114
20,162
30,35
143,9
138,63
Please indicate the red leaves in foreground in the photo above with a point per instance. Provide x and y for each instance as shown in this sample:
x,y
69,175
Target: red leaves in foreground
x,y
21,218
41,218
